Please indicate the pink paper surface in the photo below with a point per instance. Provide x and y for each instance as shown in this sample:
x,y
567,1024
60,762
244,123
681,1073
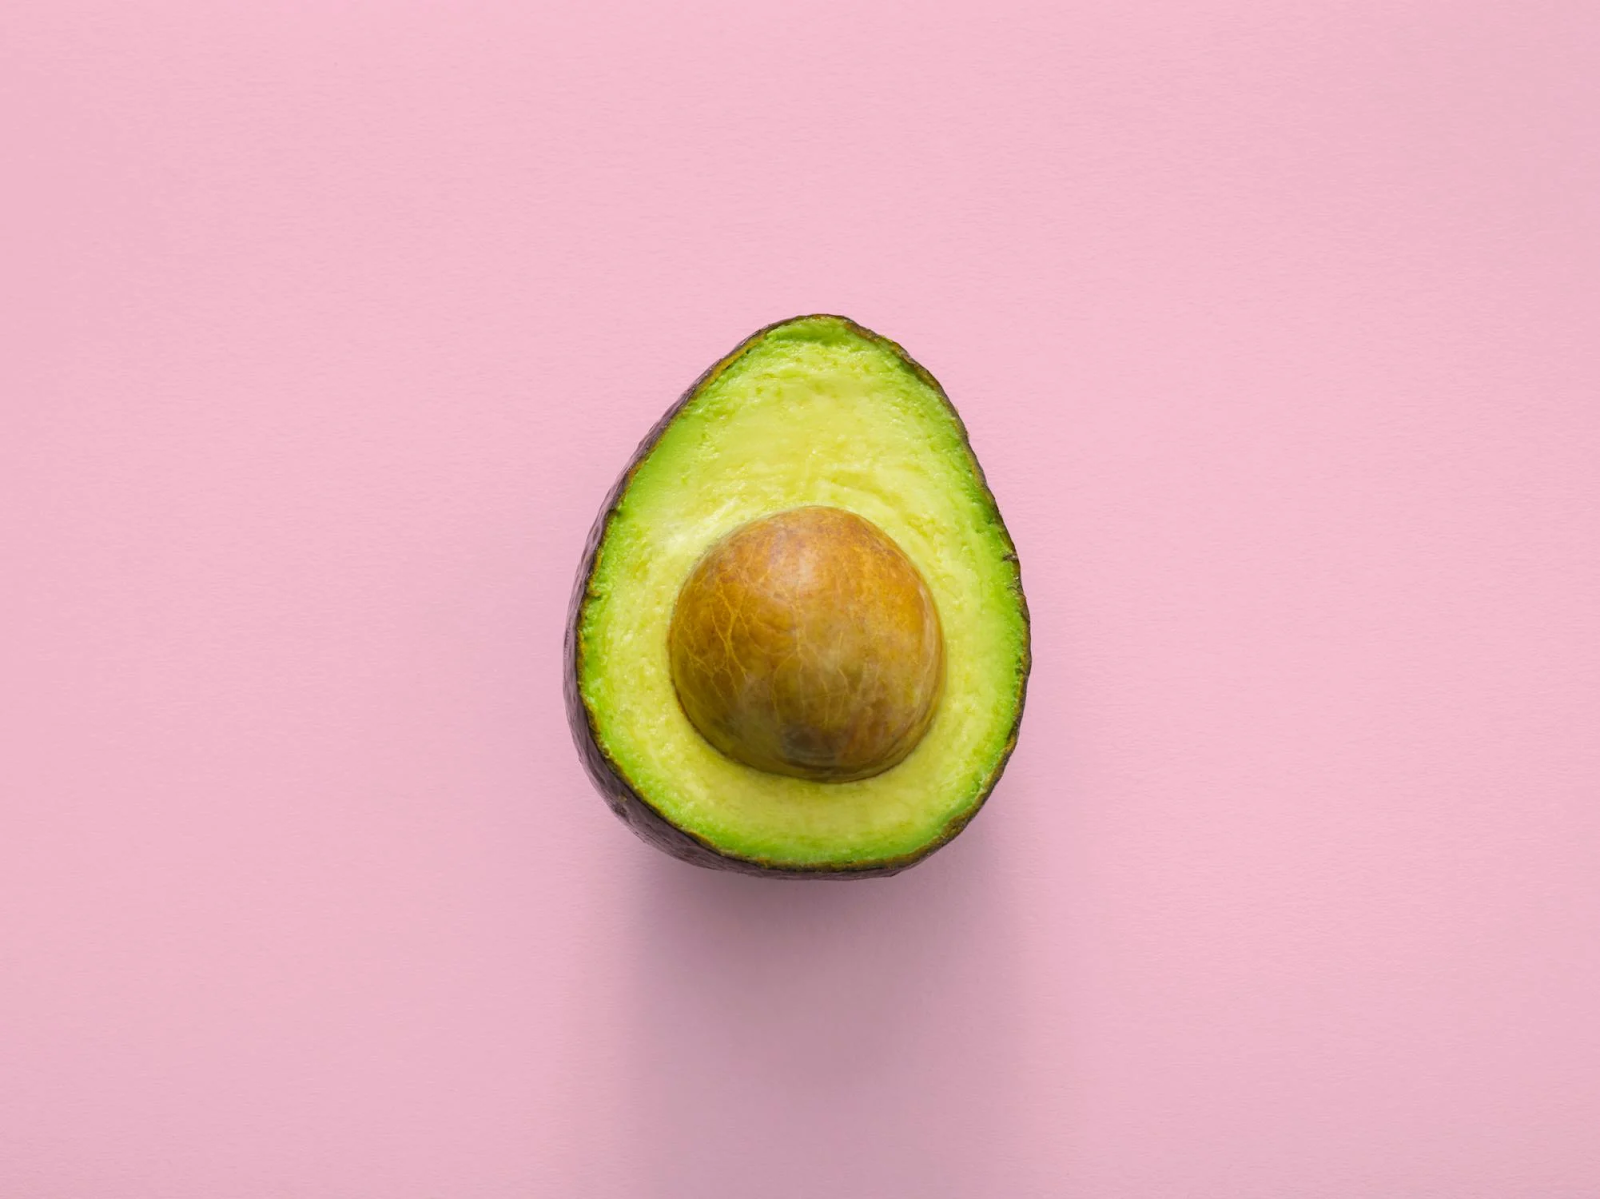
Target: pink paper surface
x,y
1277,328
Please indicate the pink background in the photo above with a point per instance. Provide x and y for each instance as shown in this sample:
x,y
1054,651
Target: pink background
x,y
327,327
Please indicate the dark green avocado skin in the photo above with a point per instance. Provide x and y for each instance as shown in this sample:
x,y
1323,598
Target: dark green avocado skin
x,y
614,787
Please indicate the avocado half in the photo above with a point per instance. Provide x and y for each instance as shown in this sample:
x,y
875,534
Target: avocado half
x,y
810,411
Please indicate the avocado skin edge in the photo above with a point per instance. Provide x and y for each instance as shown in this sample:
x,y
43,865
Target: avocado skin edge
x,y
649,824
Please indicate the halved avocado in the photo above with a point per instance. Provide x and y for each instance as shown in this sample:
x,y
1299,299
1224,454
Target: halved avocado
x,y
810,415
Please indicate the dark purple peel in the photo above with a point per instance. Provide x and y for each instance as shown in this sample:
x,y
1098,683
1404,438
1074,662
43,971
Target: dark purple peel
x,y
607,776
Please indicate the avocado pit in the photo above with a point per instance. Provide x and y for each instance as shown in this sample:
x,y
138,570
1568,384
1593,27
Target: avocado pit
x,y
807,644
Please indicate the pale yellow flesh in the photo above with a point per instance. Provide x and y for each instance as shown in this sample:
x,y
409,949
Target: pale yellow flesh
x,y
811,413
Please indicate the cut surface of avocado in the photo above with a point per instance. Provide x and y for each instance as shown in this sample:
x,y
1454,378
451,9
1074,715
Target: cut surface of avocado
x,y
811,412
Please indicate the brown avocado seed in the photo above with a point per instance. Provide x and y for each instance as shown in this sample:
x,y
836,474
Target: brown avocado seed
x,y
807,644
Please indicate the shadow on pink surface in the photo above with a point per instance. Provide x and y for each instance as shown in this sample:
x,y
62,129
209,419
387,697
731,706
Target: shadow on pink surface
x,y
848,1036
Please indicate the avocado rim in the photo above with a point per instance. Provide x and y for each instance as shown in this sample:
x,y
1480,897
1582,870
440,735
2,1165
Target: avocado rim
x,y
607,776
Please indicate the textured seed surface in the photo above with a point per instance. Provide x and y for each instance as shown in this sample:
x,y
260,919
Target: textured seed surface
x,y
807,644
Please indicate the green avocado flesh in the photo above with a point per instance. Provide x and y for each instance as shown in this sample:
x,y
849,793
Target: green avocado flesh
x,y
814,411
